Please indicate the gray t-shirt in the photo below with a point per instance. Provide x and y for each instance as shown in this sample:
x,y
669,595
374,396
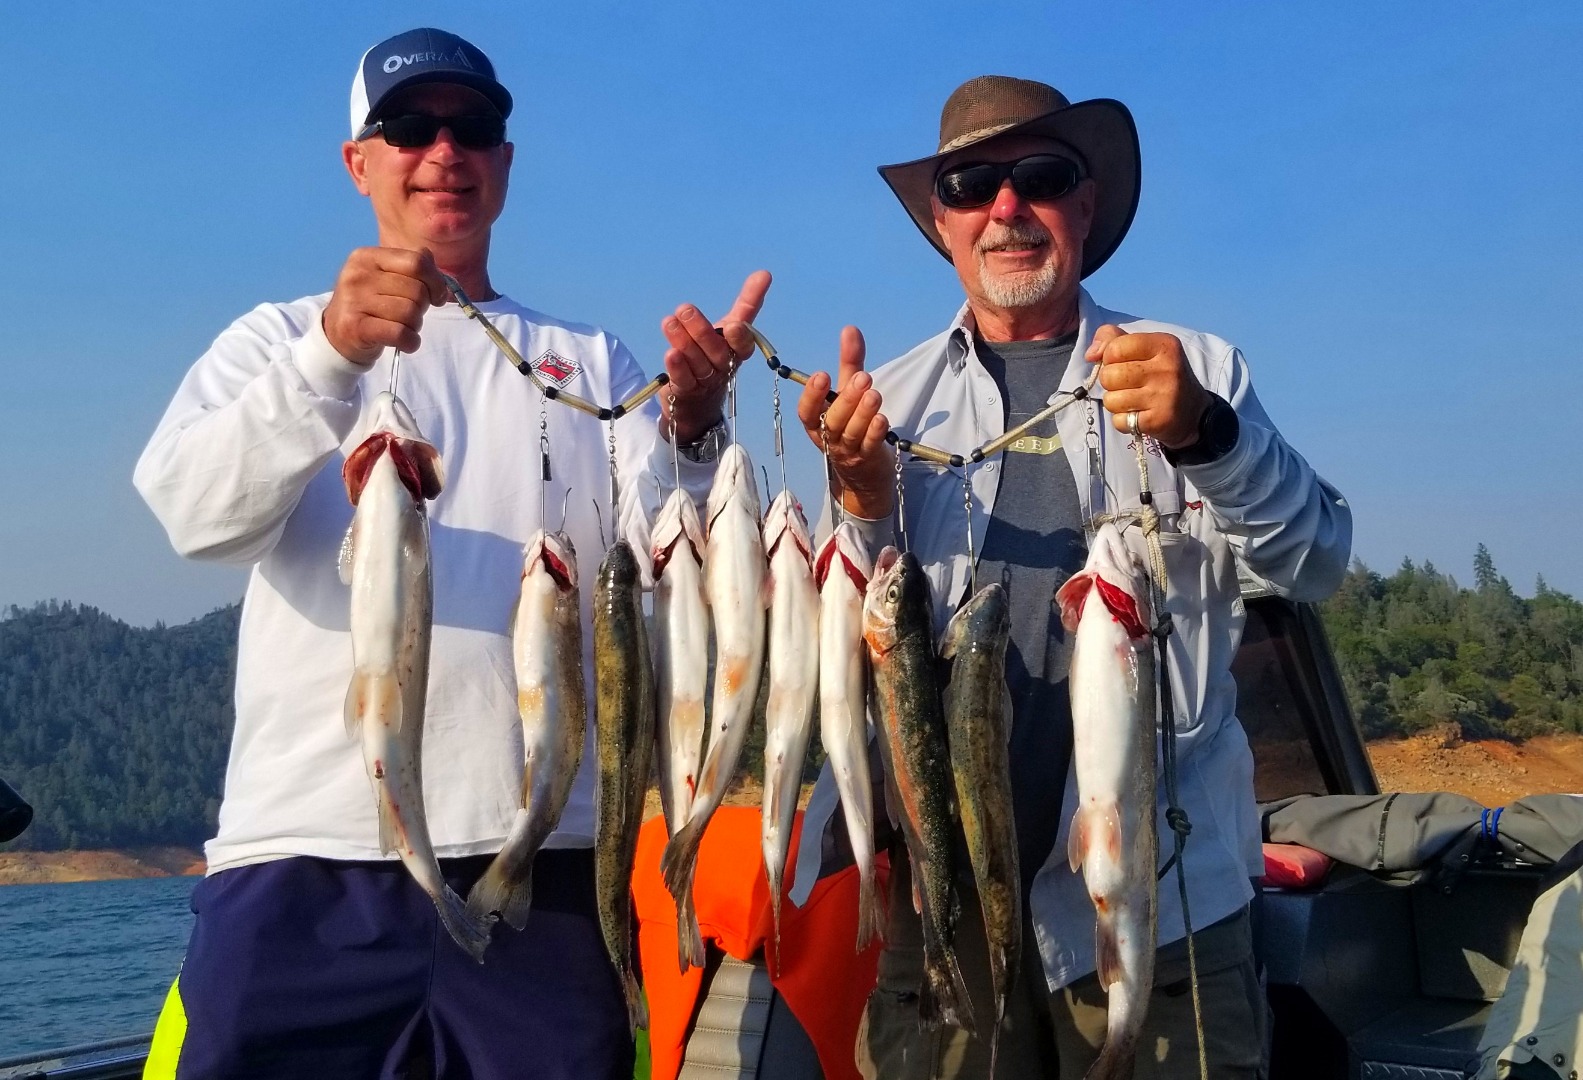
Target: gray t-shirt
x,y
1034,542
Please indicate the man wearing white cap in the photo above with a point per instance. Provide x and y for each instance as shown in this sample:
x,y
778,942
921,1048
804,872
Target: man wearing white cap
x,y
313,954
1026,195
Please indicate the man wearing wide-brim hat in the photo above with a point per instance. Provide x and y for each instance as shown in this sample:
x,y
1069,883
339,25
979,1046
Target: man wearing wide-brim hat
x,y
1027,194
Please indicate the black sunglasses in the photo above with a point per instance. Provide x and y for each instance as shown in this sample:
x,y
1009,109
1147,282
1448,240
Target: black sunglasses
x,y
1037,178
477,132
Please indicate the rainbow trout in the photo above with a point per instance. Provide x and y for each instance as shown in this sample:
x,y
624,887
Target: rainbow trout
x,y
898,628
1113,838
681,654
793,682
978,723
624,743
385,560
547,653
842,570
735,581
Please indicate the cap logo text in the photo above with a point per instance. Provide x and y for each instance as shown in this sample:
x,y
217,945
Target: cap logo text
x,y
395,63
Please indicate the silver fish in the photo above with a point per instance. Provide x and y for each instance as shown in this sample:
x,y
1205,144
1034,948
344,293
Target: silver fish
x,y
681,654
1113,837
842,570
385,560
547,653
793,682
735,577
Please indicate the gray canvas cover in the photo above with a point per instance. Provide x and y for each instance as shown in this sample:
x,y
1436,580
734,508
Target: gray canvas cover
x,y
1407,831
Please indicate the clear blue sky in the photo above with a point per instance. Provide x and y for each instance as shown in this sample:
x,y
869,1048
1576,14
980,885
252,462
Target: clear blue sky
x,y
1380,203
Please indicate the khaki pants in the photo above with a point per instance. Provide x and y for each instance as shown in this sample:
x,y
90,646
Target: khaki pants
x,y
1059,1035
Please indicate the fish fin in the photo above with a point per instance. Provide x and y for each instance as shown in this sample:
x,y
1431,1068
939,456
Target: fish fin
x,y
917,896
467,930
372,694
677,864
1070,597
637,1012
343,558
1076,841
1107,953
870,914
389,825
1115,1061
943,996
495,894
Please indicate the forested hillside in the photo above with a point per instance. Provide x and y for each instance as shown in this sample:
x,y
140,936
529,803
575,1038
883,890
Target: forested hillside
x,y
116,734
1417,650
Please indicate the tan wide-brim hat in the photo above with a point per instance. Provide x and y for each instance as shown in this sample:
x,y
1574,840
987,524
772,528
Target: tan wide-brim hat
x,y
1100,133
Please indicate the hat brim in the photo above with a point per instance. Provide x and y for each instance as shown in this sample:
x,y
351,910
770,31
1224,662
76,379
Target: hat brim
x,y
497,95
1102,130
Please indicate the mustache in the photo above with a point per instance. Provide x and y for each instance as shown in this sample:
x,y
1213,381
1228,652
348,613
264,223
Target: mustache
x,y
998,237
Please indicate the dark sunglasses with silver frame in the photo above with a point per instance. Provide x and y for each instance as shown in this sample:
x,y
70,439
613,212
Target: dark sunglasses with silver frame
x,y
1037,178
479,131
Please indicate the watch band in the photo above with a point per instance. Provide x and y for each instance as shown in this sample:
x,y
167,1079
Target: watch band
x,y
1218,429
706,447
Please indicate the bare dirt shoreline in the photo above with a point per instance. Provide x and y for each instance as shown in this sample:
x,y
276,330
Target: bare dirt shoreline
x,y
1487,770
51,867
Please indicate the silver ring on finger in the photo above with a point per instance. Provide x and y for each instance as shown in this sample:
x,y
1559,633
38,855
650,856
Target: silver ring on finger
x,y
1132,424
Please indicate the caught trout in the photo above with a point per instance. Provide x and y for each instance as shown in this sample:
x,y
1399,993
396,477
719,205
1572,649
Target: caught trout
x,y
1113,838
734,581
385,560
897,625
793,682
547,653
681,654
842,570
978,724
624,740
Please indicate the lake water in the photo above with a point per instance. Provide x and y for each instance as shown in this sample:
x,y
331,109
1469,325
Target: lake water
x,y
88,961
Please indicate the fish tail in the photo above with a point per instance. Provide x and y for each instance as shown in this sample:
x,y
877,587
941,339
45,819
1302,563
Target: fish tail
x,y
870,913
637,1011
677,865
494,894
1115,1059
943,996
994,1035
467,930
775,909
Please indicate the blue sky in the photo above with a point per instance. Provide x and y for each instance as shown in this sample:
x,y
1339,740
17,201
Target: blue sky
x,y
1378,203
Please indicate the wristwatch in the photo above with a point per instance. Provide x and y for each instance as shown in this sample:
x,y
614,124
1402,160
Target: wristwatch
x,y
1218,428
708,446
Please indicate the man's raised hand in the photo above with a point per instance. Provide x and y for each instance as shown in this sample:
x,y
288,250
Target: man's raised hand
x,y
379,302
853,432
701,359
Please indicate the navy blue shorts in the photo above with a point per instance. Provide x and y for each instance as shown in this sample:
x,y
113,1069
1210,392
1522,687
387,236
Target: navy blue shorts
x,y
307,968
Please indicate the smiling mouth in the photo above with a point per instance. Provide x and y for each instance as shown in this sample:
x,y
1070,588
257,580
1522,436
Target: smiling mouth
x,y
443,190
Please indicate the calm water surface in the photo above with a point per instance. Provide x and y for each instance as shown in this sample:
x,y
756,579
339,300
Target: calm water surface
x,y
89,960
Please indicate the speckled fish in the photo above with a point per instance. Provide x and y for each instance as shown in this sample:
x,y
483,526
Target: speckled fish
x,y
793,682
978,726
385,560
681,654
842,571
735,581
624,742
897,625
547,653
1113,839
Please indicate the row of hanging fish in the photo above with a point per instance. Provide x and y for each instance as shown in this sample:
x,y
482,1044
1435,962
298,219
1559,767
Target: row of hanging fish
x,y
840,632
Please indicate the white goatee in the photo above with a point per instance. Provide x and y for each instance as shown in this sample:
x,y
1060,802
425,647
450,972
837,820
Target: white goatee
x,y
1020,289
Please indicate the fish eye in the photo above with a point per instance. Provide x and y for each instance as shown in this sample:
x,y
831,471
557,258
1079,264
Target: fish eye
x,y
893,593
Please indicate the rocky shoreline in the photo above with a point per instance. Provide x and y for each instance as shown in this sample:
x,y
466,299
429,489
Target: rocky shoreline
x,y
54,867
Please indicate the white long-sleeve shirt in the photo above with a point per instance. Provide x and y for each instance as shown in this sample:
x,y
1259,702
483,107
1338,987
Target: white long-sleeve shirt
x,y
1260,510
245,467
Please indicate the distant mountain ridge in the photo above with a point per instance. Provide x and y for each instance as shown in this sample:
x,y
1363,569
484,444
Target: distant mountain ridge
x,y
116,734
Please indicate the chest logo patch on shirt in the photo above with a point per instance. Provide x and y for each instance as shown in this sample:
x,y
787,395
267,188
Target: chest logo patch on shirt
x,y
1034,444
552,367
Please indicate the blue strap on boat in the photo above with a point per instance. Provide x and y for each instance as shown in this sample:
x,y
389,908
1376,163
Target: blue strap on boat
x,y
1490,823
